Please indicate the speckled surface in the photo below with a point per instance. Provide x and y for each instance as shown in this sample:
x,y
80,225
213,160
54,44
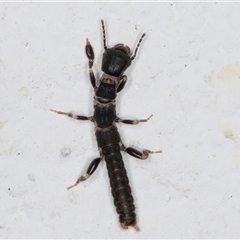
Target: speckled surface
x,y
187,74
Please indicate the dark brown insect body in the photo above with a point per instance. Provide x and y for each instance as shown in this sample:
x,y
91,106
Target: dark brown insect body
x,y
115,61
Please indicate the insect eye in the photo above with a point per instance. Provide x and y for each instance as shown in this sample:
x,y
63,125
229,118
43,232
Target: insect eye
x,y
123,48
119,45
128,49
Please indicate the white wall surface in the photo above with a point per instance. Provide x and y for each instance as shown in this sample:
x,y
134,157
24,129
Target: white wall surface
x,y
186,73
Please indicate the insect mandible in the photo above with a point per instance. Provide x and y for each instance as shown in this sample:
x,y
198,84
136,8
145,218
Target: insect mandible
x,y
114,62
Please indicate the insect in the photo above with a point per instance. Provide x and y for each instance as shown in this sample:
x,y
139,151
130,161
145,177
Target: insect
x,y
114,62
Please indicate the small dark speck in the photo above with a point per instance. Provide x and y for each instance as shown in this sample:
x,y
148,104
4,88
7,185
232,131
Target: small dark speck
x,y
31,177
137,27
185,65
26,44
65,152
9,189
229,134
18,154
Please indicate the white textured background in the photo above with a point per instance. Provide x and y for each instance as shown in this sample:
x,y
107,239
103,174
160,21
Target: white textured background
x,y
187,74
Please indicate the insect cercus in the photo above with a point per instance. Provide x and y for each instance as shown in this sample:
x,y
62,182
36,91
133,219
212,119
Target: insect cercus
x,y
114,62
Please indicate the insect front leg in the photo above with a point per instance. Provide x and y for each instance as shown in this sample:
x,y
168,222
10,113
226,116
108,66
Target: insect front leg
x,y
133,122
78,117
90,55
140,155
91,169
122,83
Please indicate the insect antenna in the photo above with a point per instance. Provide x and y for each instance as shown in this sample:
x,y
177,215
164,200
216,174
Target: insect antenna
x,y
139,42
104,35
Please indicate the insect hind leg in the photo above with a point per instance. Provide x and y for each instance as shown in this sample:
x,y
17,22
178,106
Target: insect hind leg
x,y
91,169
140,155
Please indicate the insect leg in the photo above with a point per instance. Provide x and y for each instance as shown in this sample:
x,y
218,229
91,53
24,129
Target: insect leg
x,y
141,155
122,83
133,122
90,55
78,117
92,167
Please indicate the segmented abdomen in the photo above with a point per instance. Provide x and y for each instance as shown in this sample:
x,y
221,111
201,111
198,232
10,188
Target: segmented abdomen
x,y
121,190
